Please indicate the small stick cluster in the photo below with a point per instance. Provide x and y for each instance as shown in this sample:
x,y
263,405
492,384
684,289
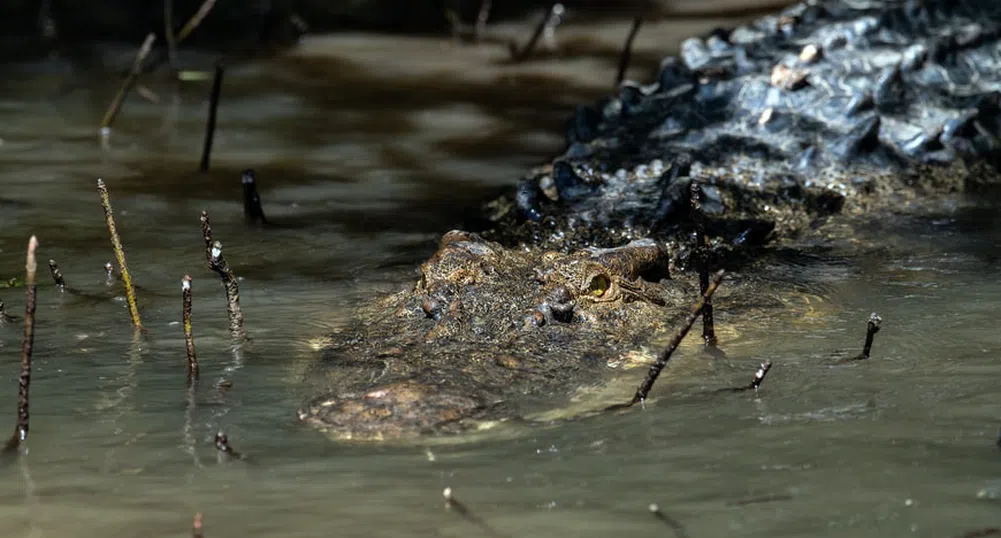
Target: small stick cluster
x,y
679,335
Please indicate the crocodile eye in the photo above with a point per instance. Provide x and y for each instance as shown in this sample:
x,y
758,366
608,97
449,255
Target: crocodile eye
x,y
598,285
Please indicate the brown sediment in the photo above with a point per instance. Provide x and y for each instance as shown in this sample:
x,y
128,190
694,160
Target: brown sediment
x,y
24,379
189,339
218,264
57,275
627,50
116,243
210,125
550,19
665,356
128,83
701,254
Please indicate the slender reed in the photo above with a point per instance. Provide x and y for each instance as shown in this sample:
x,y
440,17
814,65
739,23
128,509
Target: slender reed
x,y
24,380
189,339
225,450
872,327
196,527
759,377
451,503
210,126
481,20
116,242
195,20
702,254
168,34
57,275
550,20
252,211
665,356
627,50
218,264
128,83
678,528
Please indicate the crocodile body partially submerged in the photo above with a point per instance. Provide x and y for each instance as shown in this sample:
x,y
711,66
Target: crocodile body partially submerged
x,y
828,108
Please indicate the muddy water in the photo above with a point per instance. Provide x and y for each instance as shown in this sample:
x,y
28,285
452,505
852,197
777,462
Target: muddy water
x,y
365,154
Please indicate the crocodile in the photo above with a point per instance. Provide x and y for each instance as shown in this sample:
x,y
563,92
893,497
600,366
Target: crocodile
x,y
838,108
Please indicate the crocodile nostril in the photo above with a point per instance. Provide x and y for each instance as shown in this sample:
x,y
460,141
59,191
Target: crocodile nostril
x,y
561,304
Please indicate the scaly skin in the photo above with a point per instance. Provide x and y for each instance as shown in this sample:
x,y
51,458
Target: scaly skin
x,y
826,109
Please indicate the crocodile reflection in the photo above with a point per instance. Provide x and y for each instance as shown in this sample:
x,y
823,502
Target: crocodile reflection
x,y
486,327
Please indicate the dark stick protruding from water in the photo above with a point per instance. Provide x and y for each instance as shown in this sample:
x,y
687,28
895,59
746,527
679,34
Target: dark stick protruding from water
x,y
24,380
5,318
550,21
189,339
127,84
213,107
701,253
109,273
213,254
196,527
481,20
57,275
226,451
222,268
116,243
678,529
252,211
759,377
679,335
870,332
627,50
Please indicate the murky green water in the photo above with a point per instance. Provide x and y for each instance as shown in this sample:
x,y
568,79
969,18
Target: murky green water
x,y
363,163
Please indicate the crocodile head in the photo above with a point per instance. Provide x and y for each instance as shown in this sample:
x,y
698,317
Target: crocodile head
x,y
487,329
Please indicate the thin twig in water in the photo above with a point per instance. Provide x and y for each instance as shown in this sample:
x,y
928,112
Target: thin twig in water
x,y
116,243
5,318
57,275
109,273
875,323
451,503
481,20
210,125
627,50
24,380
213,251
549,21
701,253
675,526
195,20
189,339
168,34
225,450
755,383
127,84
661,362
252,211
196,527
